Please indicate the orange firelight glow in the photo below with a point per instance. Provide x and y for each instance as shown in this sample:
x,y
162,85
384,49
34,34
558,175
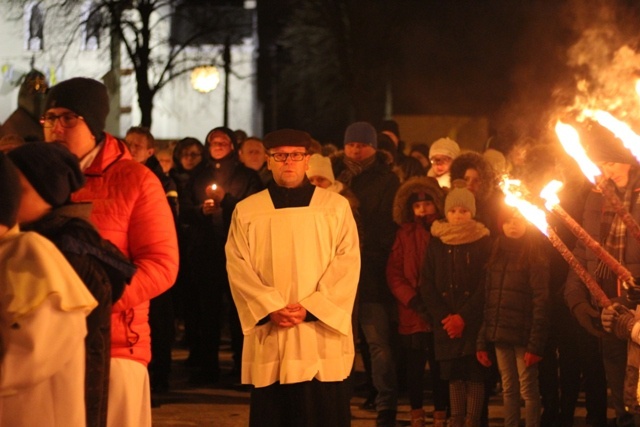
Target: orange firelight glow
x,y
570,141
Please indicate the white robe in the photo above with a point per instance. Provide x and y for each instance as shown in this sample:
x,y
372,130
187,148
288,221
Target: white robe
x,y
43,309
307,255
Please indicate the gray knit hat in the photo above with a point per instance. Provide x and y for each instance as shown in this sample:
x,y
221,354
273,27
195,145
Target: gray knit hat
x,y
460,196
361,132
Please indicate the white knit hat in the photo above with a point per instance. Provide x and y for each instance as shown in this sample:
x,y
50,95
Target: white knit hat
x,y
444,147
320,166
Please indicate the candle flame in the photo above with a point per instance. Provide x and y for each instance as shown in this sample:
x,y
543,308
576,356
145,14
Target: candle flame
x,y
570,141
620,129
213,186
550,194
513,192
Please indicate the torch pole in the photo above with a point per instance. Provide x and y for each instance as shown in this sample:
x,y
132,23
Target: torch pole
x,y
623,273
592,286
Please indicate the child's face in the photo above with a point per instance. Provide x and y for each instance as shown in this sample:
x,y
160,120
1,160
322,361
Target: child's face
x,y
458,215
423,208
514,227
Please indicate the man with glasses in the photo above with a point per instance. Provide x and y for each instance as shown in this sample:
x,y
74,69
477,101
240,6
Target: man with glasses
x,y
129,209
441,154
293,260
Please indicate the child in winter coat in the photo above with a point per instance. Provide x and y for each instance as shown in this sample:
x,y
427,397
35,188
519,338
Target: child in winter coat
x,y
452,289
418,202
515,314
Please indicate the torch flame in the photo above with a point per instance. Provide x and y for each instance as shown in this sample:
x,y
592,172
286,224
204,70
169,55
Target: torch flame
x,y
570,141
550,194
513,197
620,129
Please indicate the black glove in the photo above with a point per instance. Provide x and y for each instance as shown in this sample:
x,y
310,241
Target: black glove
x,y
588,317
416,304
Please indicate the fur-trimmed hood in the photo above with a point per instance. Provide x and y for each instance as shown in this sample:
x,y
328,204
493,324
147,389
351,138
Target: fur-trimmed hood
x,y
474,160
401,212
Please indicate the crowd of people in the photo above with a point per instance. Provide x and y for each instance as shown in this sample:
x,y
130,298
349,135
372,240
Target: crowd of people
x,y
302,253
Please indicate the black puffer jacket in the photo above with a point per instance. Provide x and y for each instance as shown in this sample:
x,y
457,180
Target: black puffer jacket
x,y
516,298
452,282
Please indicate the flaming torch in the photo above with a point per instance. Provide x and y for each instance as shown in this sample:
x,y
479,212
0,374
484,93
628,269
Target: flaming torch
x,y
549,194
513,197
570,140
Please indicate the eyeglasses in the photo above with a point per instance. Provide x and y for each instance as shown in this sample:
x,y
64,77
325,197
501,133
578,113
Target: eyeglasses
x,y
440,160
67,120
282,157
191,155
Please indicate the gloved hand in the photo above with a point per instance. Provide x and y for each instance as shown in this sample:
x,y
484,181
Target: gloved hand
x,y
531,359
454,325
587,316
483,358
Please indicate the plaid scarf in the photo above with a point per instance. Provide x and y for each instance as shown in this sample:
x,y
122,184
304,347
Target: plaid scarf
x,y
354,169
615,240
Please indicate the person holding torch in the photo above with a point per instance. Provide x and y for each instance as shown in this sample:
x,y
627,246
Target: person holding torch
x,y
622,172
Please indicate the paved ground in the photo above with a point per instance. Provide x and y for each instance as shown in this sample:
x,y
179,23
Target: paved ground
x,y
227,404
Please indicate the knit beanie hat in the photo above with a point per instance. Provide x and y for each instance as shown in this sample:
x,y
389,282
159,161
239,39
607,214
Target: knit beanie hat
x,y
361,132
287,138
421,148
320,166
460,196
51,169
419,196
390,126
444,147
9,191
83,96
231,134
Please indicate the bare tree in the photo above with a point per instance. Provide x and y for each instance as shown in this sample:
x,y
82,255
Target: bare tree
x,y
162,39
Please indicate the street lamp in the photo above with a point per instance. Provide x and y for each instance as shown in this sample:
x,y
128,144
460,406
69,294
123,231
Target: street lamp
x,y
205,78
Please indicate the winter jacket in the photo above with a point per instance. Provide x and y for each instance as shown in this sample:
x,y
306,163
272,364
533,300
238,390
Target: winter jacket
x,y
407,254
516,300
575,291
99,264
452,282
375,187
130,209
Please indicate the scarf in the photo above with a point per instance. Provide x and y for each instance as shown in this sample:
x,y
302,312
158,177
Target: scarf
x,y
354,169
615,240
459,234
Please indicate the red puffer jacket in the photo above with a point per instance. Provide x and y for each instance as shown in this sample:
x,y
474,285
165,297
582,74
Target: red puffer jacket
x,y
130,209
403,274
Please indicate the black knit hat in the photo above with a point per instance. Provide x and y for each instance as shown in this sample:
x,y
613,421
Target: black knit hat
x,y
86,97
9,191
51,169
287,137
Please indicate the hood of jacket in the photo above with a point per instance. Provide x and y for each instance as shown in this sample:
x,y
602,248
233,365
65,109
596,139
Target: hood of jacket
x,y
401,212
474,160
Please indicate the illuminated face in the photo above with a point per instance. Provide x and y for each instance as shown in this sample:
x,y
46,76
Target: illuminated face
x,y
139,147
320,181
440,165
458,215
289,173
32,205
190,157
472,177
423,208
617,172
77,138
219,145
357,151
252,154
515,227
